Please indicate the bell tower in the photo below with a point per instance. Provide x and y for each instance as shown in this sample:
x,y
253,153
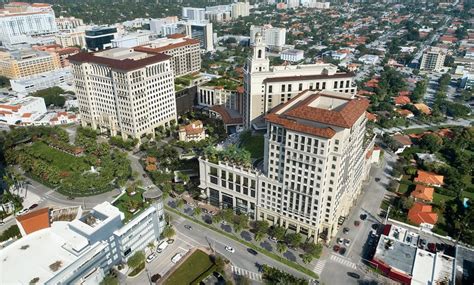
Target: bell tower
x,y
259,61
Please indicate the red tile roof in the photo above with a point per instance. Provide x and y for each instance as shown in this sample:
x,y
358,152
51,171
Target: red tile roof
x,y
405,113
371,117
124,65
402,139
423,192
422,213
175,36
309,77
226,117
34,221
429,178
401,100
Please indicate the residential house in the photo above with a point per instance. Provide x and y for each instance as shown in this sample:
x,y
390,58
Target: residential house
x,y
422,214
405,113
402,142
429,178
401,100
423,108
423,193
192,132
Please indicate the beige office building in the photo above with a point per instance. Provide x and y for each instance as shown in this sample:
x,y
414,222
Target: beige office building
x,y
433,59
184,52
124,92
22,63
316,158
74,38
269,86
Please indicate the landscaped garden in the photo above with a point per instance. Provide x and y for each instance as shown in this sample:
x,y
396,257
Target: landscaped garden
x,y
226,83
131,202
192,269
255,144
45,155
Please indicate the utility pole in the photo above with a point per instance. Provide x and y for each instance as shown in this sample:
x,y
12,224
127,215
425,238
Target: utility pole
x,y
386,216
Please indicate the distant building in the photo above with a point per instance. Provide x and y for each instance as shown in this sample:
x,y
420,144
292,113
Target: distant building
x,y
71,38
99,38
41,81
193,14
194,131
156,25
81,251
68,23
63,53
292,4
132,39
26,62
274,38
211,95
240,9
185,52
369,59
19,21
21,111
433,59
292,55
139,91
202,32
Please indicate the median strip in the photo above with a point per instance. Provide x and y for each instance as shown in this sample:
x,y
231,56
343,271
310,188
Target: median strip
x,y
276,257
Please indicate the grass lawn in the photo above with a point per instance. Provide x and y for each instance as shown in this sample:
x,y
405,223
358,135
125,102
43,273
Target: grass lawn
x,y
192,268
437,198
403,188
254,144
62,160
122,202
469,195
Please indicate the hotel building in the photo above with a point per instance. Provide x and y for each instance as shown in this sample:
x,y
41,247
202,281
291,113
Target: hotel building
x,y
21,63
316,158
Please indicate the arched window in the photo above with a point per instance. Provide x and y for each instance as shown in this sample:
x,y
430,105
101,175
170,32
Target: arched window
x,y
259,53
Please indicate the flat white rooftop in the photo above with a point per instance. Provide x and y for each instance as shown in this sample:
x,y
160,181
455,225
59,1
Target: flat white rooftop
x,y
122,53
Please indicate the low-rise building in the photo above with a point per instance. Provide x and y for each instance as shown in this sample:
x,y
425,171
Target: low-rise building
x,y
429,178
21,111
21,63
369,59
194,131
82,250
62,52
423,193
401,142
292,55
132,39
74,38
41,81
422,215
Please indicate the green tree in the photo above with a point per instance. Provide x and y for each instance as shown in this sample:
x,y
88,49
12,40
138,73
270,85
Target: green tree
x,y
4,82
431,142
136,259
168,232
307,258
197,211
293,239
180,203
277,232
281,247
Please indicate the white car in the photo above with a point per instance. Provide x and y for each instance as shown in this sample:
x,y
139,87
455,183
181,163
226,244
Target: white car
x,y
340,241
229,249
151,257
24,211
347,242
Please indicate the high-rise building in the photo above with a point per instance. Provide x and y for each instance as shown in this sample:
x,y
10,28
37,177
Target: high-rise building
x,y
156,25
274,38
185,53
314,164
267,86
193,14
201,31
124,91
19,21
72,38
240,9
433,59
21,63
99,38
292,4
68,23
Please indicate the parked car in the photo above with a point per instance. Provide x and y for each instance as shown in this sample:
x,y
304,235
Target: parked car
x,y
229,249
340,241
432,247
188,227
151,257
377,179
252,251
144,175
342,251
347,242
345,230
23,211
356,223
170,241
363,217
33,206
155,277
353,275
336,248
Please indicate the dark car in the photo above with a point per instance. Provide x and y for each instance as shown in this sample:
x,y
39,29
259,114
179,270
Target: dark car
x,y
155,278
363,217
342,251
377,179
252,251
33,206
144,175
188,227
336,248
345,230
353,275
356,223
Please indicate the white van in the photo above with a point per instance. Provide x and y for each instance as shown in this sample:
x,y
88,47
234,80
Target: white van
x,y
162,246
177,258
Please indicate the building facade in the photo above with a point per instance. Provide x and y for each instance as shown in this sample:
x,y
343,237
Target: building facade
x,y
194,14
19,21
194,131
217,95
72,38
22,63
268,86
433,59
240,9
292,55
124,91
132,40
42,81
314,165
274,38
203,32
185,53
68,23
84,249
99,38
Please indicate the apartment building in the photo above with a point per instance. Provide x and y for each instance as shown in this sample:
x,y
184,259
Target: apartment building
x,y
273,37
124,91
81,251
314,164
156,25
21,63
19,21
193,14
208,95
240,9
68,23
133,39
71,38
433,59
184,52
269,86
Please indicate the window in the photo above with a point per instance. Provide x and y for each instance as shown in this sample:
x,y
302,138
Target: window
x,y
270,89
300,87
283,88
289,87
259,53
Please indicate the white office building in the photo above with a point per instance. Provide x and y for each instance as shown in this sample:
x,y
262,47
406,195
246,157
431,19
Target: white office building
x,y
292,55
42,81
130,40
433,59
19,21
157,25
240,9
274,38
267,86
193,14
83,250
124,91
314,164
21,111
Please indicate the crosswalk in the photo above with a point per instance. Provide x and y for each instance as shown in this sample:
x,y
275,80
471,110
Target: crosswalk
x,y
318,269
343,261
249,274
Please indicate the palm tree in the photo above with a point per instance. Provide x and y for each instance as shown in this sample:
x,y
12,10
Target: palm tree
x,y
281,247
